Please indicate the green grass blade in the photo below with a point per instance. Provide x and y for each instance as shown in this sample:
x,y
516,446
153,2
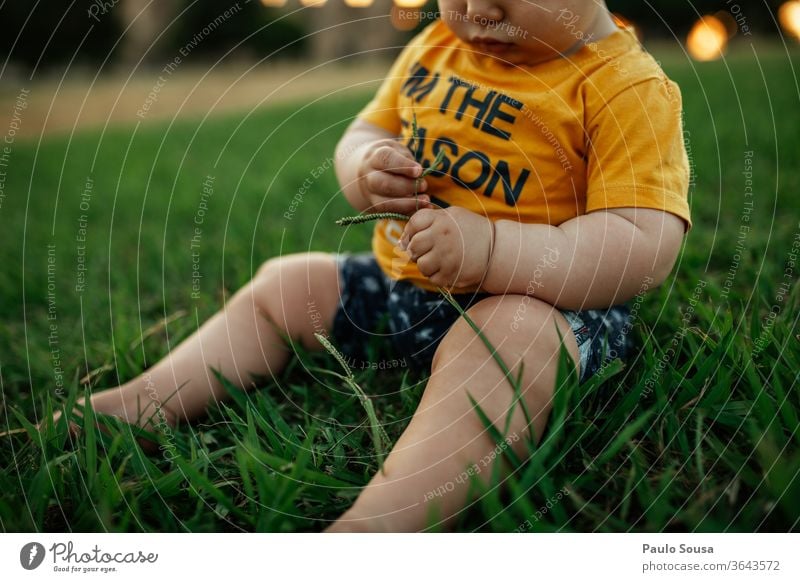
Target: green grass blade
x,y
623,437
90,440
513,382
498,437
379,437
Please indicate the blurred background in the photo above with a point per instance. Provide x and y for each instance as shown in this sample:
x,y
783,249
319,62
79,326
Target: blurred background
x,y
118,46
124,34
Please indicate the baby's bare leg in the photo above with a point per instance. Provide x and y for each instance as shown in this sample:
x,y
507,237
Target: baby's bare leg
x,y
294,295
425,472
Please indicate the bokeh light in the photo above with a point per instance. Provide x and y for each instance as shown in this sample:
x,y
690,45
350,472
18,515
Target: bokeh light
x,y
708,39
789,16
409,3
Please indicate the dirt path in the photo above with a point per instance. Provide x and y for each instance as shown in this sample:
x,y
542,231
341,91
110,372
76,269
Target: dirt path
x,y
49,107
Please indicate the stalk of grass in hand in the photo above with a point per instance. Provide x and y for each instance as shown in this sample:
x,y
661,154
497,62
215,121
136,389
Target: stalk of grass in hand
x,y
362,218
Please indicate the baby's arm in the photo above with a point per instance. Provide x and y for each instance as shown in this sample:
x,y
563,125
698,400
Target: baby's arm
x,y
591,261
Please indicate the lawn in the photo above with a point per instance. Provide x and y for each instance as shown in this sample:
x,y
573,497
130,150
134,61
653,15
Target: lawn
x,y
116,244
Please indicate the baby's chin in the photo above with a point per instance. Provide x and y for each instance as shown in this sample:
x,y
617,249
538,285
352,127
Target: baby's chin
x,y
514,53
529,59
517,55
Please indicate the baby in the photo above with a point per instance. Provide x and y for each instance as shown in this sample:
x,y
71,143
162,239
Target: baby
x,y
561,195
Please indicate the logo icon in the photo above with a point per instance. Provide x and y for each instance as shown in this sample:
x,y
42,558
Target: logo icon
x,y
31,555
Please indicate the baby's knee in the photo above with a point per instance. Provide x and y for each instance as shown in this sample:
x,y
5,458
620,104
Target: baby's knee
x,y
513,324
275,266
299,293
510,318
267,268
282,277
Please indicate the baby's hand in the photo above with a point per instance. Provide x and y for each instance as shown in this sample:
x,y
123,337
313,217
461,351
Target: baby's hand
x,y
452,247
387,174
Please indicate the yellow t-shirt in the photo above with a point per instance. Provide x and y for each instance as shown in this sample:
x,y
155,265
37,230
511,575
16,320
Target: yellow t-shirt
x,y
601,128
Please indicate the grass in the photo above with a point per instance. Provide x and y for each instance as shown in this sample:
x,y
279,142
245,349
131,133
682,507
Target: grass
x,y
698,432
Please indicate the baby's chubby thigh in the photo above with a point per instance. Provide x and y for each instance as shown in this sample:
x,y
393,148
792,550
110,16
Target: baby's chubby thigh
x,y
299,294
524,331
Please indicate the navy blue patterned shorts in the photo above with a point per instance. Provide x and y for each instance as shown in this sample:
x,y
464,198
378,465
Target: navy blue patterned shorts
x,y
381,322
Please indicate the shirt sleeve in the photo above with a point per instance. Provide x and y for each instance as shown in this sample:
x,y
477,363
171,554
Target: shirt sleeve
x,y
383,110
636,153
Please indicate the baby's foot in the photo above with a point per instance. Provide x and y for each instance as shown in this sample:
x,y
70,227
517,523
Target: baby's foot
x,y
132,405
